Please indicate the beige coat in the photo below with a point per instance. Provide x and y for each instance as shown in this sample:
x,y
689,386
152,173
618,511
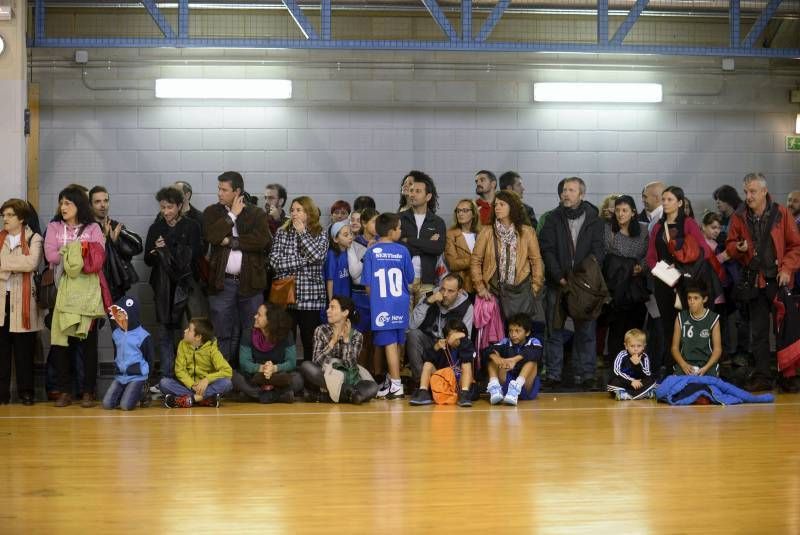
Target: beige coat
x,y
12,265
529,259
457,255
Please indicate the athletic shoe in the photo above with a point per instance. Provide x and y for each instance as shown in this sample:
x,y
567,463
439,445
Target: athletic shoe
x,y
495,392
464,399
512,396
623,396
214,401
395,392
173,402
155,390
422,396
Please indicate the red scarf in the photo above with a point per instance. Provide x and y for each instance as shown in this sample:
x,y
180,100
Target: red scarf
x,y
26,280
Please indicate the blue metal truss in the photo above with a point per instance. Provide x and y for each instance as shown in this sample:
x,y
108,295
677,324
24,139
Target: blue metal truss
x,y
463,41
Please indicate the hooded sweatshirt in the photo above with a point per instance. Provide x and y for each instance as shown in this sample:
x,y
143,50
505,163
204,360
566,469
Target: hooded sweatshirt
x,y
431,319
134,347
205,362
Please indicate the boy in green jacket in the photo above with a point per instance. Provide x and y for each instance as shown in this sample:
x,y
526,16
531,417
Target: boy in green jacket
x,y
203,374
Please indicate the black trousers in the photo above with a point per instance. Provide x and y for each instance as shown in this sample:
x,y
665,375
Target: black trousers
x,y
62,362
665,298
250,386
21,347
307,321
760,309
620,322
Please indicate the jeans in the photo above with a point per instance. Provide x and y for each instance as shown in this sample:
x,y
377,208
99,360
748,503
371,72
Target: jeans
x,y
166,335
176,388
584,355
123,396
232,316
416,342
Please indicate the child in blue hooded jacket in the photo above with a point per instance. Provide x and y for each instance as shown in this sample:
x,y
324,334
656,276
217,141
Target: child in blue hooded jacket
x,y
134,353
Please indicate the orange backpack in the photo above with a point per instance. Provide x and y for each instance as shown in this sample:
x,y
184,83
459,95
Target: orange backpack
x,y
444,383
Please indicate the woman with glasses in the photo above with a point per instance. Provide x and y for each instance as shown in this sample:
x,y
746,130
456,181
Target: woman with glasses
x,y
461,241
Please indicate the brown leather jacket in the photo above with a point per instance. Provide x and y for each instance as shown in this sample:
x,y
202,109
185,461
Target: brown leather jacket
x,y
529,259
457,255
254,241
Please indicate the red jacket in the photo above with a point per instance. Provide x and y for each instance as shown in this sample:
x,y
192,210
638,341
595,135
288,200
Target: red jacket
x,y
484,211
785,237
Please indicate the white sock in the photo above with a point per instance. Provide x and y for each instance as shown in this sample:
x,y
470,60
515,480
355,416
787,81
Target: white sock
x,y
396,383
492,382
520,382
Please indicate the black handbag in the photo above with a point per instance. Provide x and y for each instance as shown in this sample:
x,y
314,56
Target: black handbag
x,y
513,298
46,288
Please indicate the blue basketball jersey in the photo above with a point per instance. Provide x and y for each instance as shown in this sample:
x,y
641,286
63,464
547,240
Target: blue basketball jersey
x,y
388,272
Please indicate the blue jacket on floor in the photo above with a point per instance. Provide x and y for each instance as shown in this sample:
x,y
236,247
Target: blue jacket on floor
x,y
685,389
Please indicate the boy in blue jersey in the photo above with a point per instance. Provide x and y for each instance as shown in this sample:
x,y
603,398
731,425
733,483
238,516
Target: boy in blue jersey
x,y
514,363
387,274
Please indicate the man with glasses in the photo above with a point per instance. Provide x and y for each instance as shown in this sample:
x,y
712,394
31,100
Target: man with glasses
x,y
274,201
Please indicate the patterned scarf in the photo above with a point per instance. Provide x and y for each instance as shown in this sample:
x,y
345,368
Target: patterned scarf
x,y
27,279
507,254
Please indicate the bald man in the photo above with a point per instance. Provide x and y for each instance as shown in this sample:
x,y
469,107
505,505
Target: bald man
x,y
651,198
793,204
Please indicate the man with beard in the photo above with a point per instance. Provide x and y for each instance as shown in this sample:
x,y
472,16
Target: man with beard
x,y
485,188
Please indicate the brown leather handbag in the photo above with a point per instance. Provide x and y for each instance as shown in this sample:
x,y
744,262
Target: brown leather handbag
x,y
283,291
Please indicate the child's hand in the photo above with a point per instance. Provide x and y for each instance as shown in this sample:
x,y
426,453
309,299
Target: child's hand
x,y
509,364
687,368
636,383
200,387
454,338
440,344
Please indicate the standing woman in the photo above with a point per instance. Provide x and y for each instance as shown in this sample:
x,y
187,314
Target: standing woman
x,y
460,241
677,240
298,251
624,268
74,222
507,254
20,253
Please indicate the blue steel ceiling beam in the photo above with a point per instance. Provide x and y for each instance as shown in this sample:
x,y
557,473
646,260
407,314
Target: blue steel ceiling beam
x,y
466,20
159,18
38,28
734,21
630,20
492,20
183,19
761,23
466,46
302,22
602,22
325,19
441,19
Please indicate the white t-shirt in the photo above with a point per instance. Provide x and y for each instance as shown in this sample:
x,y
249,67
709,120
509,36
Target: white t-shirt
x,y
469,237
234,265
415,260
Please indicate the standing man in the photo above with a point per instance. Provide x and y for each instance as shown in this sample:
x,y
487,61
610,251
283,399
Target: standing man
x,y
764,239
189,211
274,201
239,237
122,245
571,232
510,180
793,204
423,233
651,198
485,187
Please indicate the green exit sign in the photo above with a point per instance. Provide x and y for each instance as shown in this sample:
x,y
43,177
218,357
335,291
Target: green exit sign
x,y
793,143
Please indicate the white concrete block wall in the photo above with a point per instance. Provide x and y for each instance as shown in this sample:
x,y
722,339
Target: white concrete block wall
x,y
342,138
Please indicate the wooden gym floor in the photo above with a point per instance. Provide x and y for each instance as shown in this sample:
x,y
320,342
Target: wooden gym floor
x,y
578,463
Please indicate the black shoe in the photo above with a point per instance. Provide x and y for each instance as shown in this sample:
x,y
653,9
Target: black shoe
x,y
268,396
27,399
421,397
286,396
548,383
789,385
758,383
464,398
589,385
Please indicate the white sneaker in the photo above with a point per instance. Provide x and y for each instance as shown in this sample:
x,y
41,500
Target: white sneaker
x,y
395,392
384,388
495,392
155,390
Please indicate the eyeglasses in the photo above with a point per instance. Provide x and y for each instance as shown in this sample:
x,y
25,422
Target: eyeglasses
x,y
463,210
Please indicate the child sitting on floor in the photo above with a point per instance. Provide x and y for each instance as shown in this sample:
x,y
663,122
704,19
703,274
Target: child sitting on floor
x,y
696,341
134,356
454,350
513,363
203,375
632,378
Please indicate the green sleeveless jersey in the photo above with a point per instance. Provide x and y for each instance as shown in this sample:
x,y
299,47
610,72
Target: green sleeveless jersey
x,y
696,336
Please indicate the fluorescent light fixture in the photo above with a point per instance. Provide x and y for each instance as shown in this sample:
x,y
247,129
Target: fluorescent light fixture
x,y
797,124
219,88
599,92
